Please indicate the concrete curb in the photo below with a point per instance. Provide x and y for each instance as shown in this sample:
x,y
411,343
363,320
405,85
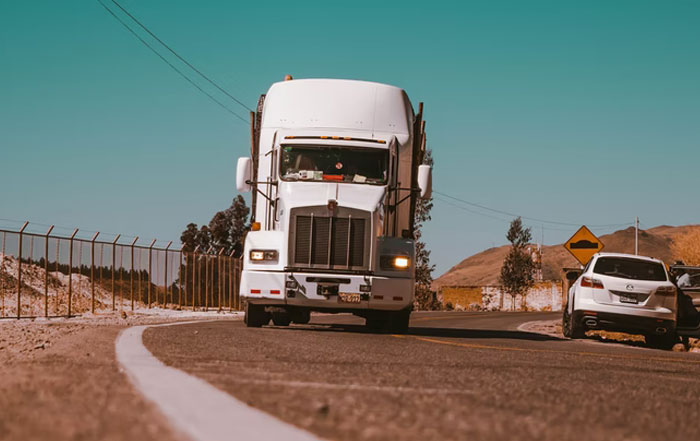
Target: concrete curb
x,y
193,406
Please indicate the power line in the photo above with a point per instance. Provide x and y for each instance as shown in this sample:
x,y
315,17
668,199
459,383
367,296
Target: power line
x,y
170,64
533,219
181,58
468,210
491,216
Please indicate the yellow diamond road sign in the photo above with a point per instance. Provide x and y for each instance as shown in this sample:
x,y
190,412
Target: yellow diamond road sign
x,y
583,245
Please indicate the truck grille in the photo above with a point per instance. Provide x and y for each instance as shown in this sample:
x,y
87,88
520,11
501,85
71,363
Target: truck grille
x,y
326,242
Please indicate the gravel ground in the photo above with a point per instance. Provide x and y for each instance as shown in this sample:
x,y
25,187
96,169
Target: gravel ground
x,y
60,381
553,328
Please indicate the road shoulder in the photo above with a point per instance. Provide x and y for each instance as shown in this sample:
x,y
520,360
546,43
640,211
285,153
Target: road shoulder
x,y
60,380
192,405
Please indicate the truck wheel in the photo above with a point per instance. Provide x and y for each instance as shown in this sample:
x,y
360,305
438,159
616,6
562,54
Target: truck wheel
x,y
281,318
301,316
255,315
376,322
399,321
664,342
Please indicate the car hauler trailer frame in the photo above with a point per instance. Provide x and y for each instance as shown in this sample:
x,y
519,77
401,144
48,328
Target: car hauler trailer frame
x,y
335,171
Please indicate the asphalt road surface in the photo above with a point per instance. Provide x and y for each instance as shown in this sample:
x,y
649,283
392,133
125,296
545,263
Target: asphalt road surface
x,y
454,376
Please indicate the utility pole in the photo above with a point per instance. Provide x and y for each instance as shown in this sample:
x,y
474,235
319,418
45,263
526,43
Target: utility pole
x,y
636,235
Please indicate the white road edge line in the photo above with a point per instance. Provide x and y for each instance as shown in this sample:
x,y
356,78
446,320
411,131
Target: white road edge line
x,y
195,407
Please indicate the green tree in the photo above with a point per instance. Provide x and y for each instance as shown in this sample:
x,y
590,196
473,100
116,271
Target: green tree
x,y
188,238
426,298
518,267
226,230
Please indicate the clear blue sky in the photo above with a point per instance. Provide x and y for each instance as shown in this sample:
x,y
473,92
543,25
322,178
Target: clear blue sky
x,y
578,112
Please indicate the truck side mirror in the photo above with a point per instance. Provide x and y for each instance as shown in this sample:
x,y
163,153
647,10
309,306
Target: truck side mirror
x,y
425,181
243,173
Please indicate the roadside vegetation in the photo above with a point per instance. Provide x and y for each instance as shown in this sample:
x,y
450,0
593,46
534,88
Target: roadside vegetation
x,y
426,298
518,267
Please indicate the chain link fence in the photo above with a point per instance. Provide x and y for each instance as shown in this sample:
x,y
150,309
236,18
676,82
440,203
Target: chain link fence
x,y
46,272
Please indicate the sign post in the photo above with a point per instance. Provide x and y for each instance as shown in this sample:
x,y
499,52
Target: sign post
x,y
583,245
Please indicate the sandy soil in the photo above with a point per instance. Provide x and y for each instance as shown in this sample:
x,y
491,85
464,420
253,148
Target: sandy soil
x,y
60,381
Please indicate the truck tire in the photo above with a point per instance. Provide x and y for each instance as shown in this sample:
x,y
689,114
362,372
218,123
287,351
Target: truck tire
x,y
255,316
301,316
399,321
376,321
389,321
281,318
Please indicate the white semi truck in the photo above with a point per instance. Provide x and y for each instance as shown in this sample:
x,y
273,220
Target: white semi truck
x,y
335,172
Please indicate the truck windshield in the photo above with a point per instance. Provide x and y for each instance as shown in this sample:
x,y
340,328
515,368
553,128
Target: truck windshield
x,y
341,164
630,269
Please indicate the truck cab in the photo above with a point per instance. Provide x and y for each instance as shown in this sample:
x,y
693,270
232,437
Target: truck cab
x,y
335,171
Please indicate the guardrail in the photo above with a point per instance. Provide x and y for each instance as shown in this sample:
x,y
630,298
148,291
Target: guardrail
x,y
51,275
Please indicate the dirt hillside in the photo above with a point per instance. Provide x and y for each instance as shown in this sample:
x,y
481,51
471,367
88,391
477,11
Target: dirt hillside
x,y
483,268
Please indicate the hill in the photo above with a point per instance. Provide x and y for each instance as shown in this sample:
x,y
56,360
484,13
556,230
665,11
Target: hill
x,y
483,268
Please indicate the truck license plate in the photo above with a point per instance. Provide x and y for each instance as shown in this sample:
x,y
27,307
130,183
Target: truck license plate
x,y
349,297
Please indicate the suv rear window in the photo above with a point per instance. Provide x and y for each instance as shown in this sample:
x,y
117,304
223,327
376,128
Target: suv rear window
x,y
630,269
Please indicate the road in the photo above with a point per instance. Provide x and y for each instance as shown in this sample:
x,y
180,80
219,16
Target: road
x,y
454,376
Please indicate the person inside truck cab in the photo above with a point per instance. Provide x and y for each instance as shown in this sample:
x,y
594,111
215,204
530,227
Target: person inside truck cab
x,y
304,162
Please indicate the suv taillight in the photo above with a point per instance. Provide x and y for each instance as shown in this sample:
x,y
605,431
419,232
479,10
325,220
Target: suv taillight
x,y
666,290
588,282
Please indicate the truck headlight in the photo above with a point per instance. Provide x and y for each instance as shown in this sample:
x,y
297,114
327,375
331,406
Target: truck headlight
x,y
394,262
263,255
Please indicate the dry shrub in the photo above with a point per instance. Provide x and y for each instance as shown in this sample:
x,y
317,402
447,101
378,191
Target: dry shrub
x,y
687,247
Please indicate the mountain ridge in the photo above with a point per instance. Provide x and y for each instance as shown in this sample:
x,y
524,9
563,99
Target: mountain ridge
x,y
483,268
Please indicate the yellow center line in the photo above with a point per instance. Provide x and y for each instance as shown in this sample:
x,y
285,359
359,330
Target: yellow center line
x,y
548,351
442,317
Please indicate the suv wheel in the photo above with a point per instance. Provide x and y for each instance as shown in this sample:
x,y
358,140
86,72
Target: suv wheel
x,y
570,328
666,341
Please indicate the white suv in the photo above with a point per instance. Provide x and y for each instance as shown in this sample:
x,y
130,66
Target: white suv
x,y
626,293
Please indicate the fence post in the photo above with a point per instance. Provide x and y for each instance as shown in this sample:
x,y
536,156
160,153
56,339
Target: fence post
x,y
92,271
206,281
194,278
70,271
138,276
230,281
131,283
46,272
219,284
179,297
165,276
114,265
150,261
2,310
19,270
237,285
